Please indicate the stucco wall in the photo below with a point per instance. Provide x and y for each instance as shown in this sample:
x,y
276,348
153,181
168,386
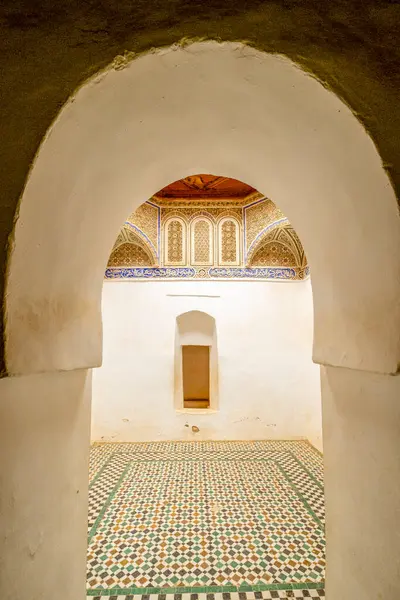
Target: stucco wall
x,y
361,418
48,49
281,132
44,448
268,385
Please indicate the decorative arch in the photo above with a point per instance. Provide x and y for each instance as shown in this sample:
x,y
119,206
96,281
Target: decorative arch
x,y
264,233
335,186
202,241
129,255
141,234
229,241
288,252
201,213
273,254
127,238
175,241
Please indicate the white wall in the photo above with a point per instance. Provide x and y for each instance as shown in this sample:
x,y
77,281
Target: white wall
x,y
44,449
361,416
268,385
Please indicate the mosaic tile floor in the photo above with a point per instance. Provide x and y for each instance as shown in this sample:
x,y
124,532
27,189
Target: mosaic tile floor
x,y
206,521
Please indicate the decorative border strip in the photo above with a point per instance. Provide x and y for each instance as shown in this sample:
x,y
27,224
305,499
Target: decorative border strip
x,y
255,273
226,273
158,225
267,587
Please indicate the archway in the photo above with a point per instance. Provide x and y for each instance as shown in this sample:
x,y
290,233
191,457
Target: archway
x,y
281,131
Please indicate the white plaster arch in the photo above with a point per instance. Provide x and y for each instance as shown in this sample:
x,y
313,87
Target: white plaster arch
x,y
217,108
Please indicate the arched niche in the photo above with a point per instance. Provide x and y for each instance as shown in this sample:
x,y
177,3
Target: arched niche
x,y
196,328
249,115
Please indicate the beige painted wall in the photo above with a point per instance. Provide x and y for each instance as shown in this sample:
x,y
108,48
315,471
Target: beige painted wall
x,y
44,443
361,423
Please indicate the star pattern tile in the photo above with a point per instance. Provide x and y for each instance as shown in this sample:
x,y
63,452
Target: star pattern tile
x,y
198,518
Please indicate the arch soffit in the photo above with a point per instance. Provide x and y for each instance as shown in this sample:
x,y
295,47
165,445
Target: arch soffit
x,y
283,234
132,246
142,238
263,234
279,170
279,243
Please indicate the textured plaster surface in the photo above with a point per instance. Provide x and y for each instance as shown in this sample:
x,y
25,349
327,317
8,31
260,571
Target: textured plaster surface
x,y
361,429
48,49
218,108
44,456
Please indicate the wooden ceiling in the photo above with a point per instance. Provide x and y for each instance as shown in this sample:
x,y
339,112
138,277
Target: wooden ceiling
x,y
206,186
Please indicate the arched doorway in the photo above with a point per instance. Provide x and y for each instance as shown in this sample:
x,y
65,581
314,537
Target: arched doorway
x,y
207,382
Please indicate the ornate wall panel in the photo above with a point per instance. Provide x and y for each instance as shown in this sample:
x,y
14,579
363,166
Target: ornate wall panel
x,y
284,234
207,209
273,254
175,242
146,218
132,238
228,242
257,216
202,242
129,255
202,238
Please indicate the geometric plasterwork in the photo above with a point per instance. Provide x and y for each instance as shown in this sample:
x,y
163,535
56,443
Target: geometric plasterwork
x,y
145,218
201,242
175,241
127,237
279,246
246,238
188,213
229,242
258,216
273,254
131,255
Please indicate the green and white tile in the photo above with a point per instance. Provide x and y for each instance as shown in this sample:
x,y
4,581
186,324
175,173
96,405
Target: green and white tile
x,y
206,518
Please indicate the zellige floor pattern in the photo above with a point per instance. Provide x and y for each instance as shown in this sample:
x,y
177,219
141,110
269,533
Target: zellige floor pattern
x,y
206,521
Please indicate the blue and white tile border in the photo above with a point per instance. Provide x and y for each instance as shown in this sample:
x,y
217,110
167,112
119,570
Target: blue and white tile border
x,y
207,273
